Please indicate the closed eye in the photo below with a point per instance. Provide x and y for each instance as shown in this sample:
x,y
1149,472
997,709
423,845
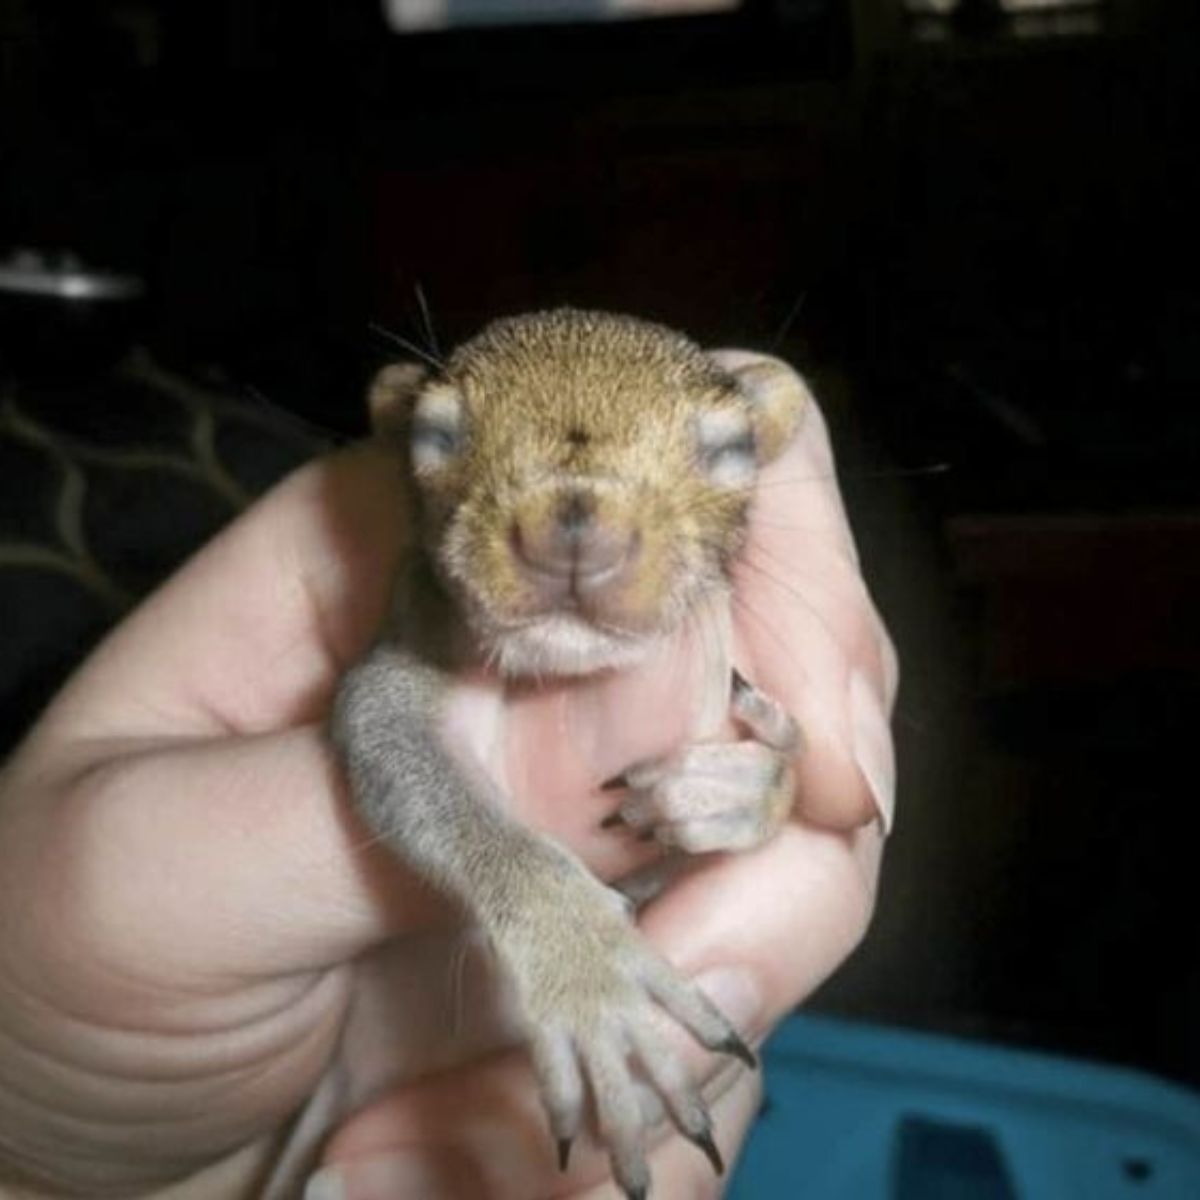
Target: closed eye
x,y
434,443
730,463
740,447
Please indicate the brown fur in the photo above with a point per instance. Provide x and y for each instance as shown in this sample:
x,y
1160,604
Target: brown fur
x,y
609,401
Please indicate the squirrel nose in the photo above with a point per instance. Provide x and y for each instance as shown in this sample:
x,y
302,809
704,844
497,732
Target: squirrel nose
x,y
575,545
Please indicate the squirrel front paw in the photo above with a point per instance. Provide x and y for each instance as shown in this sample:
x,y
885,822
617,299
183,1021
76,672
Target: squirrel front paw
x,y
596,998
717,795
711,796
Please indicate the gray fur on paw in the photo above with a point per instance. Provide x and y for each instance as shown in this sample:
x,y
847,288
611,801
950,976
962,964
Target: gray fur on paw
x,y
598,1003
710,796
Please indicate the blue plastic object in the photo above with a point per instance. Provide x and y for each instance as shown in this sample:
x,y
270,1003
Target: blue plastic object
x,y
861,1112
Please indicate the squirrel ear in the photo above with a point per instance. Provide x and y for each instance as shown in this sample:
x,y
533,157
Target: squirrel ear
x,y
777,396
390,397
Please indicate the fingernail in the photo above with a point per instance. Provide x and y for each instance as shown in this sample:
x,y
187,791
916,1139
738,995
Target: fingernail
x,y
382,1179
735,991
873,751
325,1185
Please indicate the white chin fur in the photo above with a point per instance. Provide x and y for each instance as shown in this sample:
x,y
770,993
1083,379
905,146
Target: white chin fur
x,y
564,645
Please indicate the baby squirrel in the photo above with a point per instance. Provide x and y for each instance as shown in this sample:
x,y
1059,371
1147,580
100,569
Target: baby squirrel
x,y
583,483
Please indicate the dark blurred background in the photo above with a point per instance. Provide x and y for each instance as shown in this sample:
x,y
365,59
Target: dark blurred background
x,y
972,224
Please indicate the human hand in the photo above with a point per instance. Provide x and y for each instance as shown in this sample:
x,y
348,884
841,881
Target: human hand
x,y
197,937
761,930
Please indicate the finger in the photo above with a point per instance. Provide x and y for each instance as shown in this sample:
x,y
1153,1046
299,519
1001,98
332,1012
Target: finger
x,y
678,1170
210,859
481,1127
251,633
231,857
778,920
806,472
810,637
761,931
454,1172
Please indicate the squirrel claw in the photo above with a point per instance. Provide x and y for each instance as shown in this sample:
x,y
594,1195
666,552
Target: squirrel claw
x,y
704,1140
735,1046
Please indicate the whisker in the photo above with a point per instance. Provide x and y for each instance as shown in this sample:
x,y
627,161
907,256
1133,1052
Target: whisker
x,y
787,569
374,839
789,320
458,970
745,607
491,658
307,427
940,468
757,522
397,339
741,602
427,319
790,570
714,653
793,592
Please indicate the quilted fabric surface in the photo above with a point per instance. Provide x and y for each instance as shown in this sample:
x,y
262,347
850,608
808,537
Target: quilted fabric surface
x,y
105,487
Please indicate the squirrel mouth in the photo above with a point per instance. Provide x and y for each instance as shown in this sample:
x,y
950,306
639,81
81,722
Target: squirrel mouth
x,y
594,596
590,581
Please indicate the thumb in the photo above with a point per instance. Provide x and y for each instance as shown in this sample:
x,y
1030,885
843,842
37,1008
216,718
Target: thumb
x,y
203,861
478,1134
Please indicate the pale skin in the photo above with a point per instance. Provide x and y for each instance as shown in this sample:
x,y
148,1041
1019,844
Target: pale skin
x,y
196,938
